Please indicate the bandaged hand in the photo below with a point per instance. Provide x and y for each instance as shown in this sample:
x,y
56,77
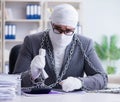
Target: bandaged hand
x,y
38,64
70,84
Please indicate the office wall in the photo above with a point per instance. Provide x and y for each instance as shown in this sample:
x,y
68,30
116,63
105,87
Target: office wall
x,y
101,17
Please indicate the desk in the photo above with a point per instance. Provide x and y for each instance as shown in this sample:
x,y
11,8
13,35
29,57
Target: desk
x,y
70,97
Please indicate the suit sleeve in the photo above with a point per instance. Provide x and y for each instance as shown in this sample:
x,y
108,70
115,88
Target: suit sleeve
x,y
23,62
96,78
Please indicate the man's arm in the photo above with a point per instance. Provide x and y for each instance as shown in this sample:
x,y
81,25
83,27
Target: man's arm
x,y
96,76
23,63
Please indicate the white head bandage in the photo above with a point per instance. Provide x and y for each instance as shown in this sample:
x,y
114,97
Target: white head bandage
x,y
65,14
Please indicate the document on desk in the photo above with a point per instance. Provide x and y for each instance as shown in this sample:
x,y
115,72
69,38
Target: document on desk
x,y
8,86
59,91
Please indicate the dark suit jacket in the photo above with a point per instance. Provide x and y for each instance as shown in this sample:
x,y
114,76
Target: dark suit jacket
x,y
95,77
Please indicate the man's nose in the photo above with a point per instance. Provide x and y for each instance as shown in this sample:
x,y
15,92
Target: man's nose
x,y
62,32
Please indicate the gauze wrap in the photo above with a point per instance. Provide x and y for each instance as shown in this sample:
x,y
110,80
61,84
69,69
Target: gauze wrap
x,y
59,42
37,65
71,84
65,14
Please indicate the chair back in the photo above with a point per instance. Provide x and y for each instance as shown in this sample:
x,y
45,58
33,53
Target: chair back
x,y
13,57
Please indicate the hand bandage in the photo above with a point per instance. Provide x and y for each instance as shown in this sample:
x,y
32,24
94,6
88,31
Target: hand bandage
x,y
70,84
38,64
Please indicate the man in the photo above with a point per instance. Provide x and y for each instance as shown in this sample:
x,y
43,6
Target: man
x,y
59,57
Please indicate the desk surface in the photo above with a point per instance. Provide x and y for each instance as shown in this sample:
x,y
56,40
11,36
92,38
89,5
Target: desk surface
x,y
69,97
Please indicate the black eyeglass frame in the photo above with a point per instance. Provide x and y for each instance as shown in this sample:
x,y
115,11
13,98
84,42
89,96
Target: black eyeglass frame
x,y
57,31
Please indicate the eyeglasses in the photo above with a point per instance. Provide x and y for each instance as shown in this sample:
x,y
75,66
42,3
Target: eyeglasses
x,y
58,30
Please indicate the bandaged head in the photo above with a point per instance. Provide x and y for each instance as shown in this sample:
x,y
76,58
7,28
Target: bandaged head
x,y
65,14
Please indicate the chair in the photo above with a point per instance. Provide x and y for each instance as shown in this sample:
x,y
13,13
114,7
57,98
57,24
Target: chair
x,y
13,57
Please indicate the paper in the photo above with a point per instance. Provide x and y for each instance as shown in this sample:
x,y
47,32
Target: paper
x,y
9,86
